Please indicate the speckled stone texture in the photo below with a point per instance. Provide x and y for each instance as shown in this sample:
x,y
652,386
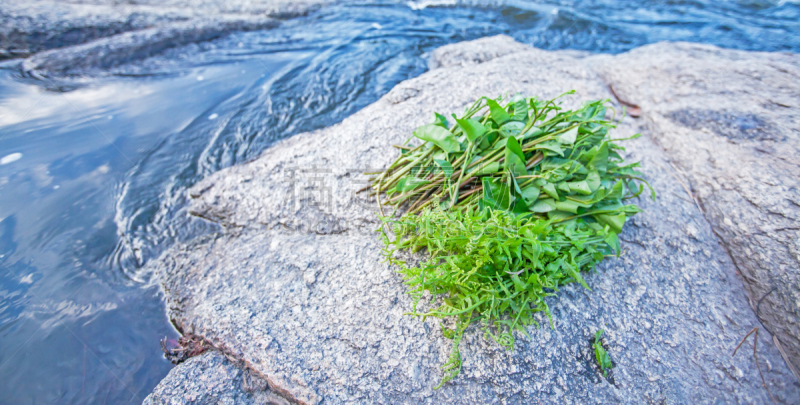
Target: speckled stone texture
x,y
211,378
118,32
730,122
295,290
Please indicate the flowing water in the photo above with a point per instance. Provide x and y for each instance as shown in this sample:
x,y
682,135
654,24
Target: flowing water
x,y
92,180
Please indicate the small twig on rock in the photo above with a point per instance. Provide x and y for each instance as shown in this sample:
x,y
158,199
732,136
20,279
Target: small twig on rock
x,y
755,356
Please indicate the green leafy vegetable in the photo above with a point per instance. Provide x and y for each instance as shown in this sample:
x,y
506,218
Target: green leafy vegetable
x,y
439,136
510,204
472,128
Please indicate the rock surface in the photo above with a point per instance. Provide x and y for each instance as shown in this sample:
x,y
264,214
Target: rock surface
x,y
211,378
105,30
295,289
108,52
730,120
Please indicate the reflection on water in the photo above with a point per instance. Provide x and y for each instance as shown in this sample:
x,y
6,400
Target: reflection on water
x,y
92,180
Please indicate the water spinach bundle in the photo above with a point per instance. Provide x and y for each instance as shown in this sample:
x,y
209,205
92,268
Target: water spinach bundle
x,y
511,201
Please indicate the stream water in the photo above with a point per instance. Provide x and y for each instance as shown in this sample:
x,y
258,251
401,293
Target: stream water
x,y
92,180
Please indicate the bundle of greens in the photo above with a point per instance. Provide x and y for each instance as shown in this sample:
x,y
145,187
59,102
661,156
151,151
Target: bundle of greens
x,y
511,202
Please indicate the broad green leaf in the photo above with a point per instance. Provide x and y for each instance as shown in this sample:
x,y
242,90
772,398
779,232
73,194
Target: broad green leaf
x,y
600,158
613,242
530,194
445,166
495,193
545,205
440,155
440,120
614,221
484,169
593,180
616,192
515,159
512,128
520,105
410,183
580,187
552,146
439,137
568,138
472,128
518,206
499,114
532,133
550,190
558,215
568,206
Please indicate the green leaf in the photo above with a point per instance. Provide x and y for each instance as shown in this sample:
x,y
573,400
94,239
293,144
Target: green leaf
x,y
616,192
568,138
568,206
440,120
410,183
614,221
600,158
552,146
515,159
439,137
499,114
496,193
572,271
550,189
445,166
580,187
484,169
534,132
545,205
520,105
472,128
593,180
601,355
512,128
613,241
530,194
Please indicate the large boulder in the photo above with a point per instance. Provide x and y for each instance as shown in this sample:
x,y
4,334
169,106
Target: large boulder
x,y
296,292
77,36
730,122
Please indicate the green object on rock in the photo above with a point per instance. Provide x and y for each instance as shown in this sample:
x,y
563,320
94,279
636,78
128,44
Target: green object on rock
x,y
507,216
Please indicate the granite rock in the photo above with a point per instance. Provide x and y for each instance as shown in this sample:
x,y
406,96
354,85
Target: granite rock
x,y
295,291
65,37
730,123
211,378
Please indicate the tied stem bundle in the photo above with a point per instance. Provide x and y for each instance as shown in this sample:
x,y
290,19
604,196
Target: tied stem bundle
x,y
511,201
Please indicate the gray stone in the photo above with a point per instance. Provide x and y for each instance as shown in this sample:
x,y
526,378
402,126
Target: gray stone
x,y
482,50
295,290
730,122
211,378
131,46
80,34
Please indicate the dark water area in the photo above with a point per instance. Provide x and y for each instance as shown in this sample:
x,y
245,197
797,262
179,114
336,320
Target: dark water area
x,y
93,180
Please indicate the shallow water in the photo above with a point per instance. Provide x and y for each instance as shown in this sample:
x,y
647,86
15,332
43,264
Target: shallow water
x,y
92,180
